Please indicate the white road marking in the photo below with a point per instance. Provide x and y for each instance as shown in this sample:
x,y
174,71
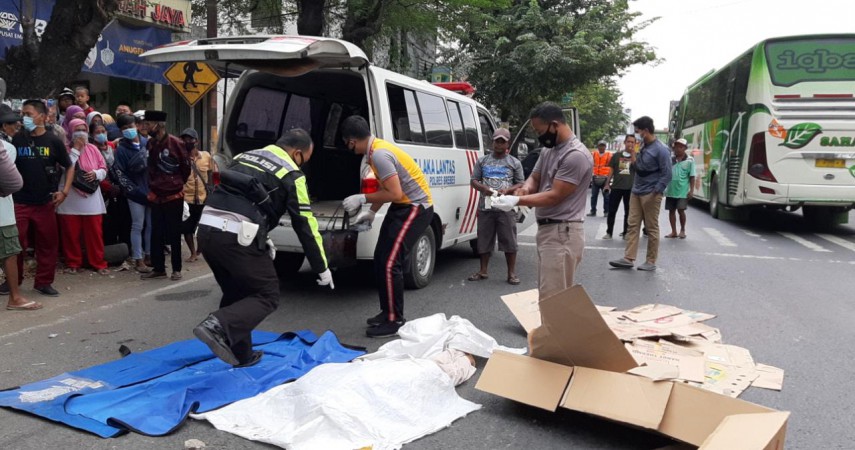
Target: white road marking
x,y
720,238
800,240
105,307
839,241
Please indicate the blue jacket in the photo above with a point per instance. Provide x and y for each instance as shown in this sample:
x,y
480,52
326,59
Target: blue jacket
x,y
652,169
125,152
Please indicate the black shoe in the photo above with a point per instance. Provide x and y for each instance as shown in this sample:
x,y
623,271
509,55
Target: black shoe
x,y
4,288
47,290
385,329
253,360
153,275
212,334
592,214
377,320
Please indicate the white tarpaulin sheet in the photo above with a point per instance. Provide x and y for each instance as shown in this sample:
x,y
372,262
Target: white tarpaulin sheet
x,y
383,401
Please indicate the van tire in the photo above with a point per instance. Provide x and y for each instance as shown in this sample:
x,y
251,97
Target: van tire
x,y
715,205
288,263
422,260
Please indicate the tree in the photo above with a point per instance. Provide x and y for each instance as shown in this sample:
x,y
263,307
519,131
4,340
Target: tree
x,y
601,114
539,50
40,66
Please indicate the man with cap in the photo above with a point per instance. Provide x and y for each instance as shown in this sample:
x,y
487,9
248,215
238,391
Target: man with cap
x,y
254,193
679,190
497,173
602,158
168,171
64,100
10,123
196,188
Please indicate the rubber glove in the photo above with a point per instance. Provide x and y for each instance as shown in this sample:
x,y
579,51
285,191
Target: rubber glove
x,y
325,279
505,202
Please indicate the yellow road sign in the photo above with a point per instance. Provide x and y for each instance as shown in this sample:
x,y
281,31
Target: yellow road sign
x,y
192,80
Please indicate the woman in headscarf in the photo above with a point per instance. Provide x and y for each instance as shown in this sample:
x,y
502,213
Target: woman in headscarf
x,y
94,118
80,214
71,113
113,131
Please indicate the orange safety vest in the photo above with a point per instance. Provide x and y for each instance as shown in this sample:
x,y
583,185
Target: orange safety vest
x,y
601,163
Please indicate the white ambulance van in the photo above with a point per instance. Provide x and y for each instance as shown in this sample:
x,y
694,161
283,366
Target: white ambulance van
x,y
315,83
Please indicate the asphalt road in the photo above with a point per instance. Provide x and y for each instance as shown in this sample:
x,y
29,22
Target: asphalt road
x,y
779,288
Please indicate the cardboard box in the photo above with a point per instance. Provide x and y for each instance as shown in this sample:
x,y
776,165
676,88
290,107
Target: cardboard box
x,y
578,363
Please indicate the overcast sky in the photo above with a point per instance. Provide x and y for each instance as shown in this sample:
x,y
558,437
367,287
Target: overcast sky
x,y
694,36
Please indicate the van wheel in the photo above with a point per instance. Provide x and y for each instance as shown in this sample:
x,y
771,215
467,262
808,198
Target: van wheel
x,y
714,203
288,263
422,260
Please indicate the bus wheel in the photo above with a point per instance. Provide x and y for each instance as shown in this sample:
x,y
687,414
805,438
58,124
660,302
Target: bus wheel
x,y
288,263
714,205
422,259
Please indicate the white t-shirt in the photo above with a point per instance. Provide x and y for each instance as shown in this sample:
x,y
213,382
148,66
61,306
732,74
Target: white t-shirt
x,y
7,205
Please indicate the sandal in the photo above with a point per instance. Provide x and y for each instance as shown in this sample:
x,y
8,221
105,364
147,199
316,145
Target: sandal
x,y
683,235
670,236
71,270
478,276
513,280
104,272
29,306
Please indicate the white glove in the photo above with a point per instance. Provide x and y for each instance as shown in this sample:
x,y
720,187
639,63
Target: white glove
x,y
271,249
366,217
353,203
325,279
505,202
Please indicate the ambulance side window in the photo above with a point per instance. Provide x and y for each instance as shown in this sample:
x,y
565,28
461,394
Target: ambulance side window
x,y
486,131
406,123
457,124
435,119
473,141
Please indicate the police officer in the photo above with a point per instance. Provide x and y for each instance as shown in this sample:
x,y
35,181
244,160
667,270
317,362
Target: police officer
x,y
404,185
253,194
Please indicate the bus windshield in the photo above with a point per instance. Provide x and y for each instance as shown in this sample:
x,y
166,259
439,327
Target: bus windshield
x,y
793,61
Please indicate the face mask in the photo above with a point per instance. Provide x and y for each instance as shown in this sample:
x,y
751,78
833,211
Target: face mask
x,y
29,124
548,138
80,135
101,138
130,133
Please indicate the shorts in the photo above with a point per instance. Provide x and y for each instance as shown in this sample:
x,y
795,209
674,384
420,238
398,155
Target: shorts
x,y
672,203
10,245
497,224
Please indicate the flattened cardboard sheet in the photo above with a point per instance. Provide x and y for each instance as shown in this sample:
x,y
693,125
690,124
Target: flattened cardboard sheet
x,y
769,377
525,379
690,363
576,334
750,431
524,306
646,313
618,396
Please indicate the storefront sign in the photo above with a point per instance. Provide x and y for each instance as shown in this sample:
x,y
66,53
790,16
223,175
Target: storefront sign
x,y
172,14
117,52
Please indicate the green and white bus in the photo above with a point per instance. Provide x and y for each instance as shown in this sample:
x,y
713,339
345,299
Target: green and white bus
x,y
776,128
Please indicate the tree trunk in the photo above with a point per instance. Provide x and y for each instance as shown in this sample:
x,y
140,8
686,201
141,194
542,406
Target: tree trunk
x,y
363,20
39,69
310,21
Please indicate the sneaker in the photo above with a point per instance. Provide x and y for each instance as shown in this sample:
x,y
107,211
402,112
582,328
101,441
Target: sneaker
x,y
377,320
622,263
4,288
211,332
592,214
253,360
175,276
607,236
385,329
47,290
647,267
153,275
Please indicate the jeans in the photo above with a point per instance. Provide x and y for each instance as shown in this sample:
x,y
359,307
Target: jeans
x,y
166,230
140,216
615,198
595,193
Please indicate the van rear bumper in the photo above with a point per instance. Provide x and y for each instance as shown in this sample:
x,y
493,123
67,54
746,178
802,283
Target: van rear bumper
x,y
803,194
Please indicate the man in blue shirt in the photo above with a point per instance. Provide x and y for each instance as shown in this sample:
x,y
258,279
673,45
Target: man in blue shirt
x,y
652,166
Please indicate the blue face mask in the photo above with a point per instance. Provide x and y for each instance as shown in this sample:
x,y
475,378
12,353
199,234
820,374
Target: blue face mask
x,y
130,133
28,123
101,138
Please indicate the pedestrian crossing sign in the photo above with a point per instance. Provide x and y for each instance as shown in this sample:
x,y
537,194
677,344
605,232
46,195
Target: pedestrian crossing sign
x,y
192,80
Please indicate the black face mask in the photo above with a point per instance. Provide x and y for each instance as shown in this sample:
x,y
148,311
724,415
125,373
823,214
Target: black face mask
x,y
548,138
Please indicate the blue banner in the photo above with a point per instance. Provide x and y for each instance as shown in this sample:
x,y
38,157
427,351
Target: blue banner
x,y
116,54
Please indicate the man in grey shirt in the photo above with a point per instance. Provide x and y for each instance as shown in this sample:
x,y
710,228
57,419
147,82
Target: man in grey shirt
x,y
553,188
652,174
497,173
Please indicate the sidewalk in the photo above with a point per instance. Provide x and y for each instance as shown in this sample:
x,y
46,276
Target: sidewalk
x,y
87,290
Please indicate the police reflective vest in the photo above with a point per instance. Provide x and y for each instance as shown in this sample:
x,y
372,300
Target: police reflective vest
x,y
284,185
601,163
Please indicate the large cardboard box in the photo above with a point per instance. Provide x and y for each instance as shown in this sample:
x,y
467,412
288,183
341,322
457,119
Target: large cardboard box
x,y
576,362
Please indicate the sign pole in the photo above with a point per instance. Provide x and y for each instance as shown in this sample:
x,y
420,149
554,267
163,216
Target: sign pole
x,y
211,110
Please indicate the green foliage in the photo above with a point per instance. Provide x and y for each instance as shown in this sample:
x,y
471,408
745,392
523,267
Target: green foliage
x,y
533,51
600,111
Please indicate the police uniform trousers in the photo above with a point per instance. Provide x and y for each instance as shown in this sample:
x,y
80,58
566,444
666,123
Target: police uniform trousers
x,y
249,283
401,228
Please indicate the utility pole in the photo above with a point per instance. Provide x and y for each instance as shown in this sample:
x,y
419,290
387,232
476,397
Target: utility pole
x,y
213,135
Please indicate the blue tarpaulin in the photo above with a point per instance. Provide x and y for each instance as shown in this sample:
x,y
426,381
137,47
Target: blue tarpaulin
x,y
153,392
116,54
